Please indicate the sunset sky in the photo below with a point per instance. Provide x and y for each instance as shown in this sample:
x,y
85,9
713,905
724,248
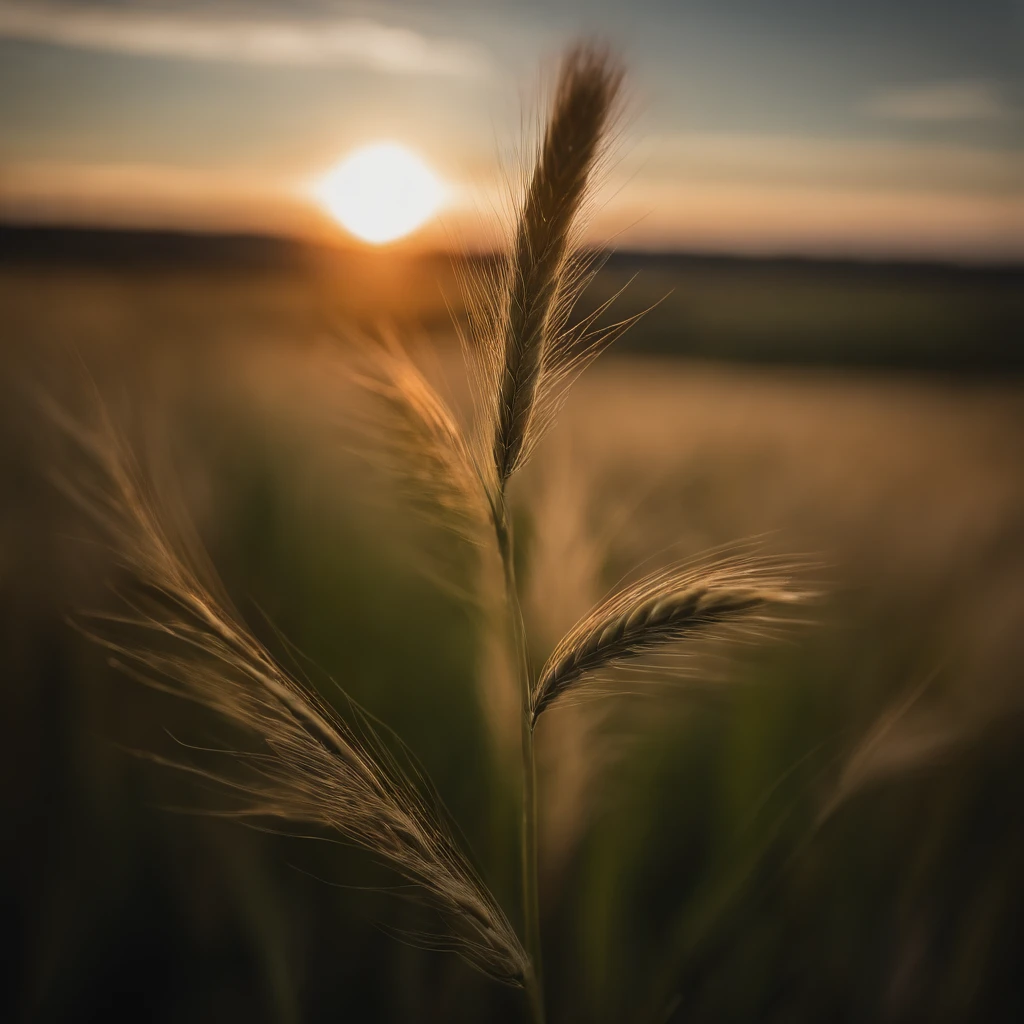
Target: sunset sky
x,y
878,127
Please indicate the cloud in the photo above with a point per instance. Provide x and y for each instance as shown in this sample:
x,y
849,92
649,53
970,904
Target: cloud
x,y
349,42
943,101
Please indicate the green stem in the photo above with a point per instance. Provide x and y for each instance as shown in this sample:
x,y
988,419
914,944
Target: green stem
x,y
534,985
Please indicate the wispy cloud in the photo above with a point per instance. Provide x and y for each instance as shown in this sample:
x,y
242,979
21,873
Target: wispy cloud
x,y
194,36
943,101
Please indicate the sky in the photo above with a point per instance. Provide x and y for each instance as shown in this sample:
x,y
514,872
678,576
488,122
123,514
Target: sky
x,y
869,128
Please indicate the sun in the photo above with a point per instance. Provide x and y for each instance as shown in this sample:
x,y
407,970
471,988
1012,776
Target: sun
x,y
380,192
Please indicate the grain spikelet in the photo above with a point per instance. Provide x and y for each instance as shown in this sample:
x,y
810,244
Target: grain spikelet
x,y
662,608
906,735
422,442
545,275
304,762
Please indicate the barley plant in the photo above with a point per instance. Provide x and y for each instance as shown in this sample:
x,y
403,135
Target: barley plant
x,y
304,761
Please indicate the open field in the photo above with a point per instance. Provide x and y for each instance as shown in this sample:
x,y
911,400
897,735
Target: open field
x,y
822,828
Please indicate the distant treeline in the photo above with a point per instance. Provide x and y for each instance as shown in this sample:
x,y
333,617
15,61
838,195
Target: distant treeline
x,y
110,248
920,316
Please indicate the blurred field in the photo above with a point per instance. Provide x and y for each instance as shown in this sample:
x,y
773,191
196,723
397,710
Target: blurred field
x,y
827,828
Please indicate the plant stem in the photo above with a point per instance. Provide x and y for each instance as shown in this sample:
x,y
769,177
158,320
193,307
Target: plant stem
x,y
534,985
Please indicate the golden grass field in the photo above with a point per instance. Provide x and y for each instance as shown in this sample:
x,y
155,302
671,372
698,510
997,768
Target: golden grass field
x,y
826,827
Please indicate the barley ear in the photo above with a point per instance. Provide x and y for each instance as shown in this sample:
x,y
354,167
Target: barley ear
x,y
297,759
541,264
420,442
658,610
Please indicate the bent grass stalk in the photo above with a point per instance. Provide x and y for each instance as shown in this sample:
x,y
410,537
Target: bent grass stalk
x,y
665,607
311,766
306,764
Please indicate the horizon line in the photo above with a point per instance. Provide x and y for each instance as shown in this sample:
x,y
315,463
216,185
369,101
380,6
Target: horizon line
x,y
408,249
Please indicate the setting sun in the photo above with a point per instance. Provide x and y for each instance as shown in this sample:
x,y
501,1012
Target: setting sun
x,y
380,192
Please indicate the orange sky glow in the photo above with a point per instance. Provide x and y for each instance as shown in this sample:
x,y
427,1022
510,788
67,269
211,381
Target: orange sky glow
x,y
864,136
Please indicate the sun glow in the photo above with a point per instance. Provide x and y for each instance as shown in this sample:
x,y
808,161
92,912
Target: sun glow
x,y
380,192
